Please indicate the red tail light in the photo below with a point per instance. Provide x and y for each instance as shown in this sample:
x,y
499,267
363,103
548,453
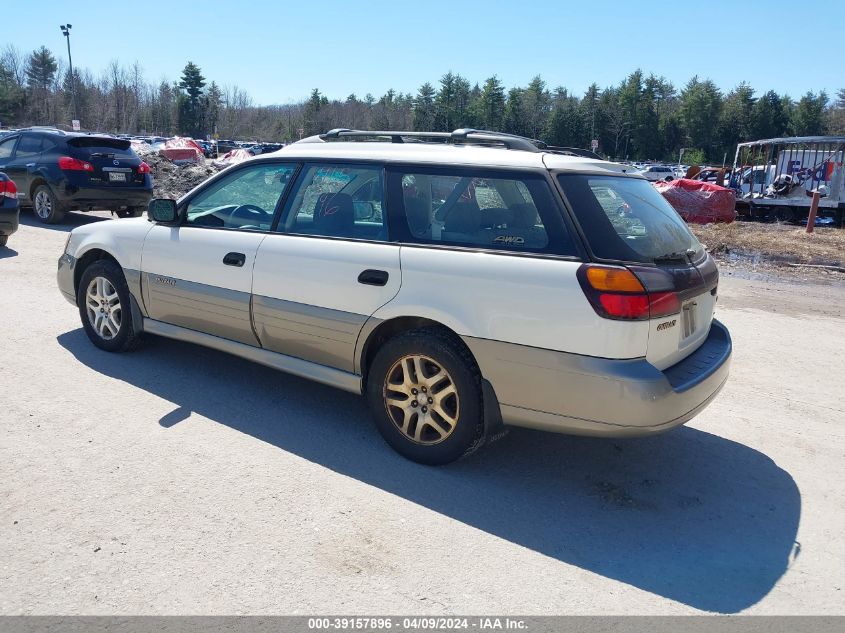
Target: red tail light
x,y
143,168
8,189
66,163
617,293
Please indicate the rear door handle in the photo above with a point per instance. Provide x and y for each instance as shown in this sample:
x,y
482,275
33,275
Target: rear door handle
x,y
372,277
234,259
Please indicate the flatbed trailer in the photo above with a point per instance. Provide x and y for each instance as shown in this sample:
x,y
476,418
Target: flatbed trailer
x,y
777,177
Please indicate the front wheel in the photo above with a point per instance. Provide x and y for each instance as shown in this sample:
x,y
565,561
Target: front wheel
x,y
104,307
424,391
47,207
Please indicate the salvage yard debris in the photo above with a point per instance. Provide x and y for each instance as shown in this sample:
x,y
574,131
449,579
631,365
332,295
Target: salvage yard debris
x,y
699,202
174,181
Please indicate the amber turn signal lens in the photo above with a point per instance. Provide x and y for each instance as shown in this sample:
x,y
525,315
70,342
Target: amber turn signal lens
x,y
613,279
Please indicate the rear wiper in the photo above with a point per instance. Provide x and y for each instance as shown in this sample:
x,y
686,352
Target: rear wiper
x,y
681,256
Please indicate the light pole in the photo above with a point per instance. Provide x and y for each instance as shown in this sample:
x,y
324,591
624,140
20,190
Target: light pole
x,y
66,32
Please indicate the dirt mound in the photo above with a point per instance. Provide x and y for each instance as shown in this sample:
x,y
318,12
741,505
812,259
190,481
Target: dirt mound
x,y
174,181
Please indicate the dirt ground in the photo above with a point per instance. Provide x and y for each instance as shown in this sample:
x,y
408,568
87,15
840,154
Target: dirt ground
x,y
757,245
177,480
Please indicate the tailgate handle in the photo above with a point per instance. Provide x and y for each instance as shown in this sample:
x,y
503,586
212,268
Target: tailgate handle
x,y
372,277
234,259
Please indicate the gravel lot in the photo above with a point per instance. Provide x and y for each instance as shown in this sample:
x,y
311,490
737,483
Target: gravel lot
x,y
179,480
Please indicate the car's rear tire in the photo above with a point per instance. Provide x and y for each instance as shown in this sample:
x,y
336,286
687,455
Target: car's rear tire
x,y
424,391
105,308
46,206
4,239
131,212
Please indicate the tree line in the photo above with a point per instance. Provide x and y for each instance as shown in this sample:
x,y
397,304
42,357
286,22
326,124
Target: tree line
x,y
643,117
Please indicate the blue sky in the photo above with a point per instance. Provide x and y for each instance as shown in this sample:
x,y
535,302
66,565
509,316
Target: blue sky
x,y
278,51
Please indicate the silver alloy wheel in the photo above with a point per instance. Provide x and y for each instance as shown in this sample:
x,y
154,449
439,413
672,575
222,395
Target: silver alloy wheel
x,y
421,399
103,307
43,204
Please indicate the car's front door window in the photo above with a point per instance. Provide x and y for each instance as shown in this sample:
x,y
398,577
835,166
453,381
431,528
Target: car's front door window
x,y
245,199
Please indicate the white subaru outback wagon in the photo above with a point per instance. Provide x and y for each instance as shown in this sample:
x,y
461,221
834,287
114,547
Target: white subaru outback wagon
x,y
462,281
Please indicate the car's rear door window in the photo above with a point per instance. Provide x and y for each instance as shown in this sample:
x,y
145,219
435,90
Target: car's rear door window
x,y
30,145
6,147
338,200
626,219
480,208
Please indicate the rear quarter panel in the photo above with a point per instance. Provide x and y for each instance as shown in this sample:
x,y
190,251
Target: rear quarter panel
x,y
524,300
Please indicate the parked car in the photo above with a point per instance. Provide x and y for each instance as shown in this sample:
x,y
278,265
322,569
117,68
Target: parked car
x,y
224,145
9,214
209,148
459,286
264,148
654,173
56,172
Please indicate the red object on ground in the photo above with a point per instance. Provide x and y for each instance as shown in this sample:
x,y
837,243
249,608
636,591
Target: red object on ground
x,y
699,202
182,150
177,155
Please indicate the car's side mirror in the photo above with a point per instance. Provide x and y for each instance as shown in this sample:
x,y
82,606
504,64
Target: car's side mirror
x,y
364,210
162,210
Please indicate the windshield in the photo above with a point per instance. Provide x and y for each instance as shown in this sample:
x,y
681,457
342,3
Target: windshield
x,y
626,219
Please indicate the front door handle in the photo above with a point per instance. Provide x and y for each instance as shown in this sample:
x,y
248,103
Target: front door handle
x,y
372,277
234,259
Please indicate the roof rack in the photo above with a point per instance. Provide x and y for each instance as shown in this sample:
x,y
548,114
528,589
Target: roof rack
x,y
41,128
572,151
460,136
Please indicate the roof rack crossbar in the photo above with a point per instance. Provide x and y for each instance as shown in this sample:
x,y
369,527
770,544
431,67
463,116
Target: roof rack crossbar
x,y
463,135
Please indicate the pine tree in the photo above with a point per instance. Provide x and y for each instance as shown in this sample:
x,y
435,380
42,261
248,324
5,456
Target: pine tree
x,y
40,71
769,118
701,104
536,104
445,104
807,118
492,105
514,121
736,119
424,108
191,102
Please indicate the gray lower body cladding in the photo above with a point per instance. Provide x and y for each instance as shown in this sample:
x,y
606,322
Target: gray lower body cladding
x,y
196,306
584,395
321,335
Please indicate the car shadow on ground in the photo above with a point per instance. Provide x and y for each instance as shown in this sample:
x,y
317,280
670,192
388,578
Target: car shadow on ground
x,y
6,252
688,515
71,220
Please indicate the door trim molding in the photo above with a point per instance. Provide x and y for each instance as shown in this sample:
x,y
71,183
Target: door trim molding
x,y
288,364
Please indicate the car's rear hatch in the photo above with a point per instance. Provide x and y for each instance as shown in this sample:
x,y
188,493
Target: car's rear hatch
x,y
629,227
112,160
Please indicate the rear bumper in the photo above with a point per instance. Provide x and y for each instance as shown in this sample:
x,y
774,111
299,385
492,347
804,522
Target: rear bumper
x,y
105,197
64,277
9,218
582,395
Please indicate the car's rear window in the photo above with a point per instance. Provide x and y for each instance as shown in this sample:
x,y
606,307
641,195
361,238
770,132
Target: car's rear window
x,y
626,219
102,144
